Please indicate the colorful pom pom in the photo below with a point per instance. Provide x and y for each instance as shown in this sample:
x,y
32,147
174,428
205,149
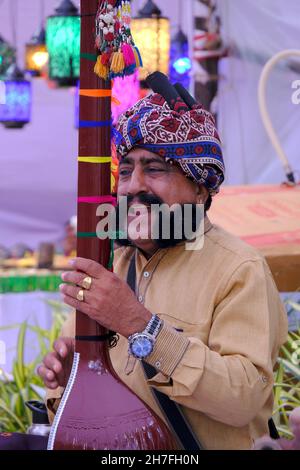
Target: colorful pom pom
x,y
118,54
128,54
100,69
117,63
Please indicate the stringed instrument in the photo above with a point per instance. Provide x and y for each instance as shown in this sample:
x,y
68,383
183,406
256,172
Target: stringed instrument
x,y
97,410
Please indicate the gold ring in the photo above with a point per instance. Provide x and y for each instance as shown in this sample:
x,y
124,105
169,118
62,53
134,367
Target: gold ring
x,y
80,295
87,282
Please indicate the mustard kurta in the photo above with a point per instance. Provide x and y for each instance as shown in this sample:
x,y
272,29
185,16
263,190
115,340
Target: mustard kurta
x,y
230,323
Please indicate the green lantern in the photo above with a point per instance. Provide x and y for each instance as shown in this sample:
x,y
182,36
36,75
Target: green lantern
x,y
63,44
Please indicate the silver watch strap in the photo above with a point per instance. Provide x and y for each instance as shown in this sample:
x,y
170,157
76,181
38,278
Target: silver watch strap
x,y
153,326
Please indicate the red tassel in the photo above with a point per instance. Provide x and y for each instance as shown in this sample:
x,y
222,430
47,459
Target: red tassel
x,y
105,57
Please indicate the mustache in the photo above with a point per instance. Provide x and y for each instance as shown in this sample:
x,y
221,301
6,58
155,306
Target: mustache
x,y
145,198
141,198
161,242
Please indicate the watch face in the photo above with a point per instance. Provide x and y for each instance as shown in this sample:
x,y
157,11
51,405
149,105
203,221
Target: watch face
x,y
141,346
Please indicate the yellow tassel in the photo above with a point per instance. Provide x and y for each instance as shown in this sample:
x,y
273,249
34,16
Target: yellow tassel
x,y
137,59
101,70
117,63
121,62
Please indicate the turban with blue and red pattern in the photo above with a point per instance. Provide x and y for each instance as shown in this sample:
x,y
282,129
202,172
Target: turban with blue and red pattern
x,y
179,133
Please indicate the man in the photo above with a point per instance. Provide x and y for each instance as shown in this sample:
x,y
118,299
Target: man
x,y
219,318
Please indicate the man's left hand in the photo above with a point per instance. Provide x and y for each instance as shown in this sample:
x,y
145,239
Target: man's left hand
x,y
109,301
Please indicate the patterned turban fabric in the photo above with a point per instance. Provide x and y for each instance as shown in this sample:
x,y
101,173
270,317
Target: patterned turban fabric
x,y
187,136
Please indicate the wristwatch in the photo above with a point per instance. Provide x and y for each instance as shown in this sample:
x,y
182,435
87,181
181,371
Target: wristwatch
x,y
140,345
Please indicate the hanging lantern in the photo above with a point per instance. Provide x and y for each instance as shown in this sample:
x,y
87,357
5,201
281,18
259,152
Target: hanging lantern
x,y
7,56
36,54
151,32
180,63
63,44
15,106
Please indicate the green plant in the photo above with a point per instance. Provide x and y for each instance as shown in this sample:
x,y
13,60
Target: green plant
x,y
24,384
287,380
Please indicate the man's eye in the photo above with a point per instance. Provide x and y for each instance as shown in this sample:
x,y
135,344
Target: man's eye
x,y
124,172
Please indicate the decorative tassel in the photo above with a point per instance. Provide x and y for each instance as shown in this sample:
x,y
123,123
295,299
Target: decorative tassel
x,y
100,69
128,55
130,69
138,58
117,65
139,55
119,56
105,58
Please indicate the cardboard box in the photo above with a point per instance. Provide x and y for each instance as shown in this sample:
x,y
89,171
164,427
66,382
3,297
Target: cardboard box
x,y
268,218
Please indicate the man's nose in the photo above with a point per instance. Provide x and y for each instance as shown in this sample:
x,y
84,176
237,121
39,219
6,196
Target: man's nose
x,y
137,183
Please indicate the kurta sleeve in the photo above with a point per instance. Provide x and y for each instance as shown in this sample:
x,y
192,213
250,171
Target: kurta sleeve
x,y
231,377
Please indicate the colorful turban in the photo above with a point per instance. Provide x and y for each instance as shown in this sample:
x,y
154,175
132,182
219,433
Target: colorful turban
x,y
186,135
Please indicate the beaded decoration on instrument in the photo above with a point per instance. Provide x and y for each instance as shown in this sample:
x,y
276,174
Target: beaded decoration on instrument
x,y
118,56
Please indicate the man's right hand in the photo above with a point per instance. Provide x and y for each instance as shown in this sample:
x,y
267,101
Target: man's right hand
x,y
56,366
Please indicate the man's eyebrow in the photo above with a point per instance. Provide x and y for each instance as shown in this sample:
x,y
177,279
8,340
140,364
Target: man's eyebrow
x,y
143,160
126,160
146,161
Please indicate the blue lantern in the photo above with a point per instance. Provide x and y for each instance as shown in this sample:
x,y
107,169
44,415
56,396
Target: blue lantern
x,y
180,63
15,103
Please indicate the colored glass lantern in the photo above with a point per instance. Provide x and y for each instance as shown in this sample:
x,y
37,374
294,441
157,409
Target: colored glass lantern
x,y
63,44
151,31
15,106
7,56
36,56
180,63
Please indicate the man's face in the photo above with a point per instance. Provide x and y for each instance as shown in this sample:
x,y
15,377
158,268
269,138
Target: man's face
x,y
143,173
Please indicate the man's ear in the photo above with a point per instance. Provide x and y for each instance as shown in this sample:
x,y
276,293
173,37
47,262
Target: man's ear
x,y
202,194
